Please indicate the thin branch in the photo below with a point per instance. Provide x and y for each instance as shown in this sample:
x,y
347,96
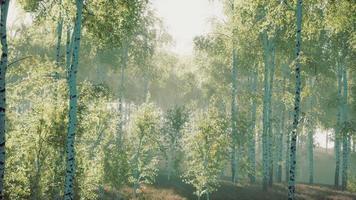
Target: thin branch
x,y
220,34
287,4
18,60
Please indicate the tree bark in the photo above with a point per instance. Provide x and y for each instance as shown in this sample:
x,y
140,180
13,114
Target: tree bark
x,y
59,36
270,129
70,151
252,140
311,154
338,128
293,148
234,131
288,141
265,141
234,117
311,139
345,135
69,49
280,138
3,68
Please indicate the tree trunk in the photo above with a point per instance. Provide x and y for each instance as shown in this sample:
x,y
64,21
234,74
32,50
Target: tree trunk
x,y
70,151
310,135
311,154
234,131
270,129
59,37
293,148
338,129
326,142
234,117
280,138
146,91
345,135
252,140
265,142
288,139
122,93
3,68
69,49
137,172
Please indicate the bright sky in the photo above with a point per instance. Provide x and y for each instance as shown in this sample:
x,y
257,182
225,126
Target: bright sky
x,y
16,14
13,13
186,19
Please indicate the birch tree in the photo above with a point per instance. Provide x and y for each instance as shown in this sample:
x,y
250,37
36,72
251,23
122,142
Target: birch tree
x,y
73,98
3,67
252,134
293,147
144,146
345,131
175,122
337,129
205,152
234,130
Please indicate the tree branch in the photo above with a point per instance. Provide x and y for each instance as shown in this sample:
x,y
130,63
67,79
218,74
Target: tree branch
x,y
287,4
18,60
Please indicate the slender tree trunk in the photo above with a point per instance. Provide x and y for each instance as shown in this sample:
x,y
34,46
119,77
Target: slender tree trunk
x,y
73,95
58,171
345,135
265,141
234,117
310,136
59,36
3,68
338,129
69,49
270,129
293,148
280,142
311,154
234,131
146,88
136,184
58,54
252,140
288,141
122,93
270,142
326,142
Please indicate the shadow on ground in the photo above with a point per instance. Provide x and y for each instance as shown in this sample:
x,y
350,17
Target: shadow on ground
x,y
177,190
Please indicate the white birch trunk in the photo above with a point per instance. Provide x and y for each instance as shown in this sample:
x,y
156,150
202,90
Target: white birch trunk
x,y
73,97
3,68
293,147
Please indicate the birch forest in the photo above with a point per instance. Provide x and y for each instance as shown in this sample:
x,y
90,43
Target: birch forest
x,y
97,103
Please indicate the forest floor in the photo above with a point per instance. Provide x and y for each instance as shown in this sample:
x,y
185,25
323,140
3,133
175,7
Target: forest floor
x,y
177,190
163,189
